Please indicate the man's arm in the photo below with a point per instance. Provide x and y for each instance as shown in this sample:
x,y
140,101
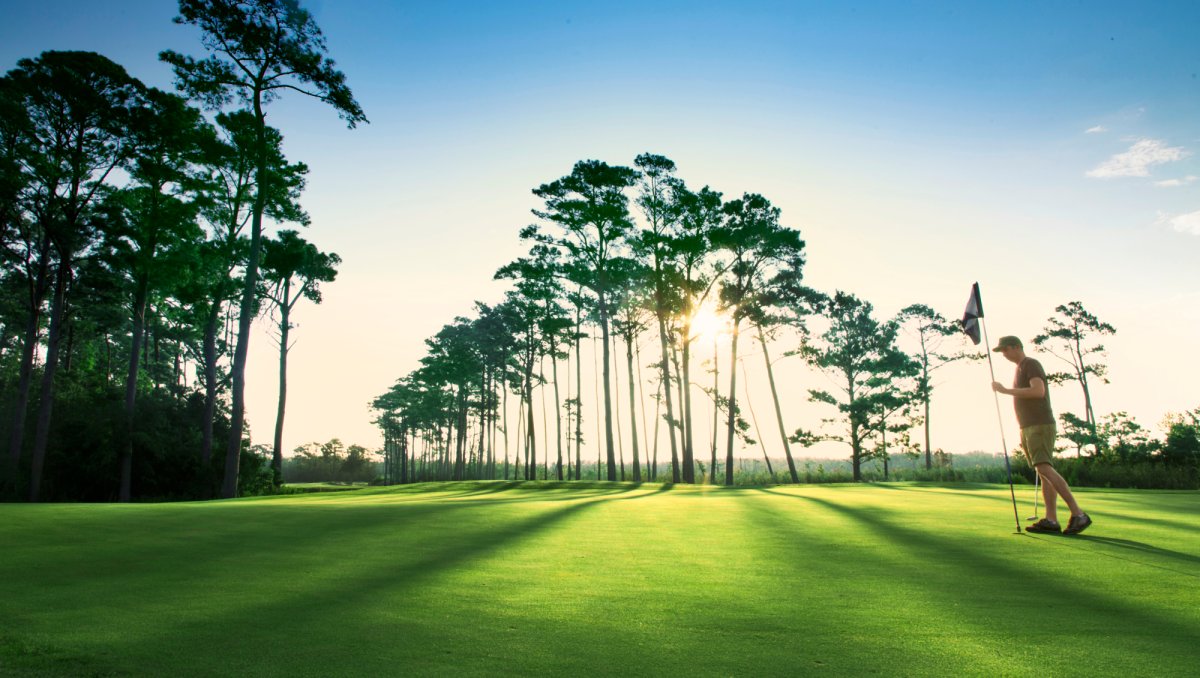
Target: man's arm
x,y
1035,390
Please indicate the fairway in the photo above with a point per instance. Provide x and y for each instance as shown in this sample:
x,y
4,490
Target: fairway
x,y
495,578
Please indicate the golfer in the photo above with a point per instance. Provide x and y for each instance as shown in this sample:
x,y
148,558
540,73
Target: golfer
x,y
1031,399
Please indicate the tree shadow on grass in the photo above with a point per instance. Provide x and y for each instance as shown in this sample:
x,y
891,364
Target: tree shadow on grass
x,y
292,613
1087,602
1079,542
195,537
1166,522
531,491
395,494
845,575
942,490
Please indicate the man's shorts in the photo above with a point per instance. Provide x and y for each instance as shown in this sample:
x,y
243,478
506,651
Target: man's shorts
x,y
1037,442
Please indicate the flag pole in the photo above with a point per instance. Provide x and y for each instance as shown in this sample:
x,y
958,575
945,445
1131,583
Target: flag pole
x,y
1000,419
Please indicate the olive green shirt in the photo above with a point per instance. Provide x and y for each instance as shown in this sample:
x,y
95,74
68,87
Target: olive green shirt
x,y
1032,411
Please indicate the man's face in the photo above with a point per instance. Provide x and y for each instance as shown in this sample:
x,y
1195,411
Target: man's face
x,y
1012,353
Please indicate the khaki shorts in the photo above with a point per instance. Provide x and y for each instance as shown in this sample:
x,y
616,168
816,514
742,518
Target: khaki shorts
x,y
1037,442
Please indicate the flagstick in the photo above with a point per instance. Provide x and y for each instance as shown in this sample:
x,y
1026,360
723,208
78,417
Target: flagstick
x,y
1000,419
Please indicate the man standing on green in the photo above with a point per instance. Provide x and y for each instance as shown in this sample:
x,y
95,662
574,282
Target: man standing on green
x,y
1031,398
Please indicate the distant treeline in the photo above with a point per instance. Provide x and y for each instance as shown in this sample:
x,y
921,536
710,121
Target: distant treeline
x,y
975,467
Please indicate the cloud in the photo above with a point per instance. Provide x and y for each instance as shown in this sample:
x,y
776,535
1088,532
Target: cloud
x,y
1095,130
1137,160
1183,223
1177,182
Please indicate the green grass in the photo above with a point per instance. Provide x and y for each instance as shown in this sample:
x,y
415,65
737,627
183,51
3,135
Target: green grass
x,y
299,488
486,579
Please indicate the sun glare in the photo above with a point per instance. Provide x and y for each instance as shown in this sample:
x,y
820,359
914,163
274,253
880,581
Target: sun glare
x,y
707,324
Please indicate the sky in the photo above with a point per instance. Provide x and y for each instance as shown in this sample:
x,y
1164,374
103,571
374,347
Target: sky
x,y
1046,150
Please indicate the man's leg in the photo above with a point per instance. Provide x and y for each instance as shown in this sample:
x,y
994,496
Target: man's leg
x,y
1049,495
1054,484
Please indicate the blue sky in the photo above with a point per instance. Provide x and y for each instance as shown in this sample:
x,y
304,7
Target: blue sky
x,y
1048,150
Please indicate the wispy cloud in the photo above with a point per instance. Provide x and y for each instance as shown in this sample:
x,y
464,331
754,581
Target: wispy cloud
x,y
1177,182
1184,223
1095,130
1136,162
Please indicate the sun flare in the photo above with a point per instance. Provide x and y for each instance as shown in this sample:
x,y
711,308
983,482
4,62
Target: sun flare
x,y
708,324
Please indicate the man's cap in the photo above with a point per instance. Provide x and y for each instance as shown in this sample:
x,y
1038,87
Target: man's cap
x,y
1008,341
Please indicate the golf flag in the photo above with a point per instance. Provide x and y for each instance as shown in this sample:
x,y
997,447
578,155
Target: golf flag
x,y
971,316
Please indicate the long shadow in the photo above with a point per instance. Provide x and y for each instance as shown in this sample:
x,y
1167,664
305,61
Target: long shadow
x,y
940,490
1085,601
812,561
182,545
560,494
414,492
532,489
1136,547
295,609
1166,522
464,498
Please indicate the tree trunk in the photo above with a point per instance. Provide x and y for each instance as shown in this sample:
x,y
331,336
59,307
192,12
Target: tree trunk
x,y
609,445
572,408
285,326
666,384
712,472
883,441
530,434
516,466
17,434
480,462
855,446
641,385
504,407
489,470
139,325
37,294
558,436
637,469
617,417
46,404
157,373
596,394
67,355
407,462
210,383
578,395
246,313
928,454
460,440
787,450
685,381
545,419
733,345
679,424
1088,412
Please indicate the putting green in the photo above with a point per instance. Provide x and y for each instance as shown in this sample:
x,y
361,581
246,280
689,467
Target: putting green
x,y
486,579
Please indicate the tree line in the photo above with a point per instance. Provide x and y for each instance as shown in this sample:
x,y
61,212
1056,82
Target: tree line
x,y
619,253
626,255
133,224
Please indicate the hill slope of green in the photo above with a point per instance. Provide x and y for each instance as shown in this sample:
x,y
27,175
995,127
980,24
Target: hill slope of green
x,y
485,579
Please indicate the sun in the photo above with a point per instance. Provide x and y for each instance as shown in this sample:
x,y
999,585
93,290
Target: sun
x,y
708,324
